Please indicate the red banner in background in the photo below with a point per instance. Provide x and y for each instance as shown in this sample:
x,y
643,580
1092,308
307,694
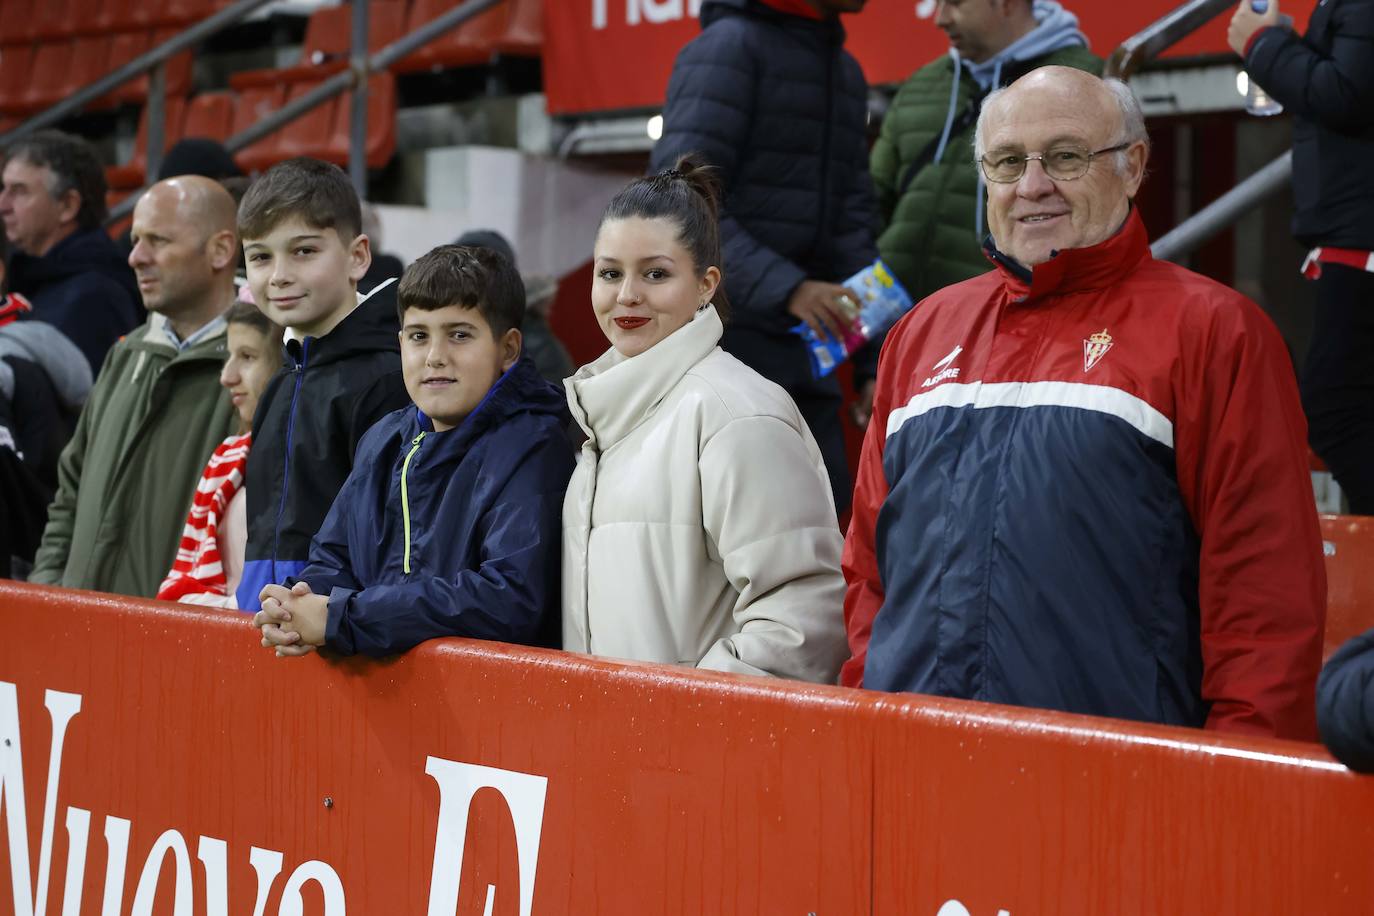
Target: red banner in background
x,y
604,55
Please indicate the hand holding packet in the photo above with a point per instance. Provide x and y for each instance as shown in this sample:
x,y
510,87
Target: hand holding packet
x,y
882,300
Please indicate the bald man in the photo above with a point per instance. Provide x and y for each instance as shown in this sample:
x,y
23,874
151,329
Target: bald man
x,y
156,412
1085,487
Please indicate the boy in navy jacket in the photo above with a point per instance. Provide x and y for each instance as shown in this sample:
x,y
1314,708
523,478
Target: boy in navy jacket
x,y
305,252
451,522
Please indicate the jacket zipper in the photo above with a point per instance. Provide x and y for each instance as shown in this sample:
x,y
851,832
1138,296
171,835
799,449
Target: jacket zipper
x,y
299,372
405,499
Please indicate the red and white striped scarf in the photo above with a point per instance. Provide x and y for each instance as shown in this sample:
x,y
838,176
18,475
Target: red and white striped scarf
x,y
197,569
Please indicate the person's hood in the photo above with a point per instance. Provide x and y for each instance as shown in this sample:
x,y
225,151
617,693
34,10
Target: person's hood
x,y
84,251
519,391
371,327
41,343
1057,28
712,10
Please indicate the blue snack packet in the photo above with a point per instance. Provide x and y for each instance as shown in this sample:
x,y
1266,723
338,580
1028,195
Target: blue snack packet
x,y
882,300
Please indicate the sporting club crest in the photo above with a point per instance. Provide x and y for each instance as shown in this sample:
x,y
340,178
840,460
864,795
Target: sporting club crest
x,y
1096,347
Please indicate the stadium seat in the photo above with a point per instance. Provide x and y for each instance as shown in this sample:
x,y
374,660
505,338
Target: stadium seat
x,y
16,22
60,68
209,114
252,106
1349,548
381,124
135,91
16,64
328,43
309,133
524,35
111,16
470,44
132,174
53,20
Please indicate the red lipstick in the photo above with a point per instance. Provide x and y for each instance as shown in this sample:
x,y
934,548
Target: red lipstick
x,y
629,323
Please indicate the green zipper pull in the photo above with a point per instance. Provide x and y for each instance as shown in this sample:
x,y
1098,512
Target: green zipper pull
x,y
405,498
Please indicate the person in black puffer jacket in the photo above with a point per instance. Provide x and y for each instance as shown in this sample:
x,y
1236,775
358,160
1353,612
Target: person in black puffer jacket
x,y
1325,78
1345,703
768,95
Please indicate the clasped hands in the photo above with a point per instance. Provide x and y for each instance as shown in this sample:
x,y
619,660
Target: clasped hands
x,y
292,620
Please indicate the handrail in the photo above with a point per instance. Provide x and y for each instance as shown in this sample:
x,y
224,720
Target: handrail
x,y
1162,34
1190,234
154,60
336,84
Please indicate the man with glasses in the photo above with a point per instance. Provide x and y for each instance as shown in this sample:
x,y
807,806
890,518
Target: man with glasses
x,y
1085,487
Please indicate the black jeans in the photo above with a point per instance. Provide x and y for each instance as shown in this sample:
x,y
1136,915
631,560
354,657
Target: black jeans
x,y
1338,381
782,358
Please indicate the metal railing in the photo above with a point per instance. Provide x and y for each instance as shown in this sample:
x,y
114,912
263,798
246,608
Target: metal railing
x,y
1147,44
354,78
1162,34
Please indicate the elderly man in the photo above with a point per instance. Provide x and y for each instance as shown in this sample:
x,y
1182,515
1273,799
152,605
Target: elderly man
x,y
156,412
1085,487
52,204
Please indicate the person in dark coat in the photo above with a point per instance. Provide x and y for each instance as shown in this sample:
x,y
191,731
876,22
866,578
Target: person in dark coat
x,y
1325,78
1345,703
768,95
53,204
451,522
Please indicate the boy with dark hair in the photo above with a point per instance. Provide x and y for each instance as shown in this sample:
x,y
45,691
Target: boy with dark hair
x,y
304,249
451,521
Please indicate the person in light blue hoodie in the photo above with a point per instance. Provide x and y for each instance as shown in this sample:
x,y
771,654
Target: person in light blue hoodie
x,y
930,192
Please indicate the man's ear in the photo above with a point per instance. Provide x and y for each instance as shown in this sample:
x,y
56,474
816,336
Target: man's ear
x,y
69,205
359,257
1136,157
222,249
512,342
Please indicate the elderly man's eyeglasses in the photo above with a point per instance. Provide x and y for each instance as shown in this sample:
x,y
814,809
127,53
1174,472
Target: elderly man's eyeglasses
x,y
1062,163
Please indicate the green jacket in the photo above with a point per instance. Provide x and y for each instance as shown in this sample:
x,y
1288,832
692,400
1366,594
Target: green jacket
x,y
126,479
928,209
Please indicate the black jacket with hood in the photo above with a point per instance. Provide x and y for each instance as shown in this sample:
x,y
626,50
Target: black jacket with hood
x,y
84,288
329,392
777,104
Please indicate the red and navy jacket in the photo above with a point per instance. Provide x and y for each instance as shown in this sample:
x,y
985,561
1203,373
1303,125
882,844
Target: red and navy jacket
x,y
1085,487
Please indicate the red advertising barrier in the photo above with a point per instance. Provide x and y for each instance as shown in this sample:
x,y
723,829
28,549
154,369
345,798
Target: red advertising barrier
x,y
602,55
155,760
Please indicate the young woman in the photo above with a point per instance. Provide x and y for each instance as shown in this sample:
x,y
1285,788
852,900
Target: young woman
x,y
210,559
699,526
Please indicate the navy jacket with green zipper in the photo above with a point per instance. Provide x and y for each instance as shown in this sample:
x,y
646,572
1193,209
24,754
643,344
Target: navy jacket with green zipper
x,y
455,533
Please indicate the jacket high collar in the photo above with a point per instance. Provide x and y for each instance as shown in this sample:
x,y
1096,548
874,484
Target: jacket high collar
x,y
372,326
1075,269
520,390
614,394
828,28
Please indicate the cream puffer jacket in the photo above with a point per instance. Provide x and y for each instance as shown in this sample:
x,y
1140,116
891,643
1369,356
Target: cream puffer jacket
x,y
698,527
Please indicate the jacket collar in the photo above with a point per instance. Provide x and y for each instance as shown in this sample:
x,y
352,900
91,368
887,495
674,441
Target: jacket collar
x,y
613,395
520,389
1076,269
829,28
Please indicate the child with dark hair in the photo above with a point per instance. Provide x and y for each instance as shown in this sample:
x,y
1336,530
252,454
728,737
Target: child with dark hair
x,y
301,225
450,523
209,559
699,526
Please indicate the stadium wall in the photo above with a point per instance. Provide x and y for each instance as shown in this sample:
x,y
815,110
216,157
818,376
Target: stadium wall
x,y
155,759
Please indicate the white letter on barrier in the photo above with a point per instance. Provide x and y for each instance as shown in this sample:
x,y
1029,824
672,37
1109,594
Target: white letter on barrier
x,y
326,877
117,842
598,14
30,901
170,841
78,828
632,12
267,863
659,11
214,855
953,908
458,783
